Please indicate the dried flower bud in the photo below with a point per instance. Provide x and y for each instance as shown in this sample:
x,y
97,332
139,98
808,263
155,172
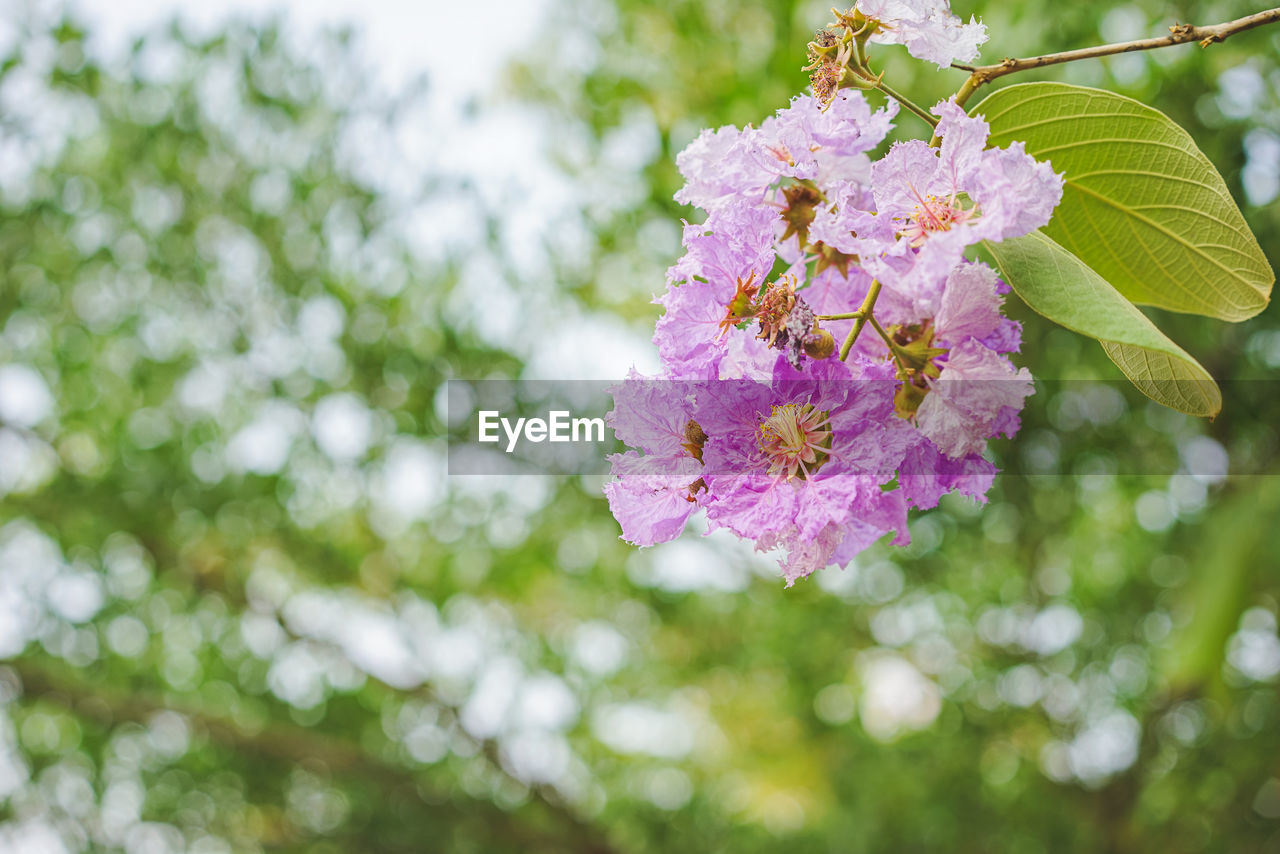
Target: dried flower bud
x,y
830,257
697,486
824,79
775,309
695,439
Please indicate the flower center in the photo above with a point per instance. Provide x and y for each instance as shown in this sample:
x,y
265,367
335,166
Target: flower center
x,y
934,214
782,153
796,439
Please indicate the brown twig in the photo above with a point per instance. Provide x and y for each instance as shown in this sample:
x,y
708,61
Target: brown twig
x,y
1178,34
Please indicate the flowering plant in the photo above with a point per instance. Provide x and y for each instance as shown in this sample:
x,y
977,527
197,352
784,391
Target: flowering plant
x,y
832,355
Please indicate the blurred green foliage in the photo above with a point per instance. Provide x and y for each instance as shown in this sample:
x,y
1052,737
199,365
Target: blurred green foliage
x,y
226,627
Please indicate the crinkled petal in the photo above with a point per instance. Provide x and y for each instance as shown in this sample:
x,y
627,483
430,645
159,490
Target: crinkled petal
x,y
837,543
804,556
736,242
928,28
750,505
687,334
720,166
970,306
927,474
1007,337
964,139
848,125
1017,193
651,497
960,413
651,412
904,179
917,276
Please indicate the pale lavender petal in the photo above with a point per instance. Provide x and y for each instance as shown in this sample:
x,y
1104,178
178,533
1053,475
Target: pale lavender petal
x,y
651,413
905,177
651,508
719,166
964,138
687,334
959,414
1016,193
1007,338
970,306
928,28
751,505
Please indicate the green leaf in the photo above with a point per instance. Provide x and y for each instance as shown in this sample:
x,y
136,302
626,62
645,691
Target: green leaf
x,y
1141,205
1064,289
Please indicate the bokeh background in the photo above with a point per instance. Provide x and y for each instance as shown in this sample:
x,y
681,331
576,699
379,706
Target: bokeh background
x,y
244,609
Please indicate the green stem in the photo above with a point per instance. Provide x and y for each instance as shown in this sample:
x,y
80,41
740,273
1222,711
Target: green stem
x,y
852,315
906,102
888,340
864,314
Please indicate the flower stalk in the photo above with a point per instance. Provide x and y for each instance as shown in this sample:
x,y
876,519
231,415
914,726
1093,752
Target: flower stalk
x,y
863,313
907,102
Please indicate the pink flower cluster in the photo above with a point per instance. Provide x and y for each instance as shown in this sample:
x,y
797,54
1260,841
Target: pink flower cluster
x,y
755,422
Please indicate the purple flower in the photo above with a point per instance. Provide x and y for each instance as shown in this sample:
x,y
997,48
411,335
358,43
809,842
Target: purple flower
x,y
840,136
969,307
652,508
733,250
800,463
965,404
719,166
928,28
748,423
940,200
801,141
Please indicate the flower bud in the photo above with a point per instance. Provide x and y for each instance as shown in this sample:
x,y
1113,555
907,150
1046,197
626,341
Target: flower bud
x,y
820,344
909,396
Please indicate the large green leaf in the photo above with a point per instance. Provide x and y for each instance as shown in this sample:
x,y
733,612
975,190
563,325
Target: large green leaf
x,y
1142,205
1064,289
